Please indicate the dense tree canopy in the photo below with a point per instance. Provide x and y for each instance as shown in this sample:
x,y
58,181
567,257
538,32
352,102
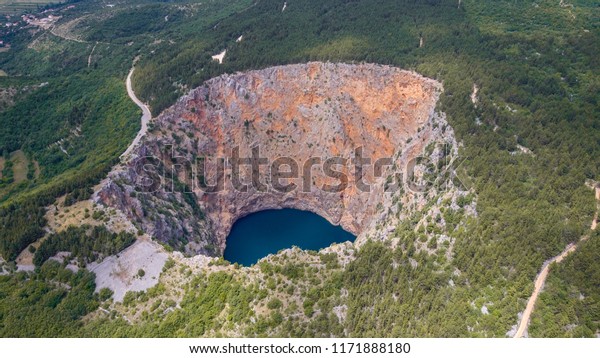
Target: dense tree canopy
x,y
529,144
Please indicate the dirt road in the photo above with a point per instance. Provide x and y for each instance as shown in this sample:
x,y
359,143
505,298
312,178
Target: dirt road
x,y
146,115
90,56
541,278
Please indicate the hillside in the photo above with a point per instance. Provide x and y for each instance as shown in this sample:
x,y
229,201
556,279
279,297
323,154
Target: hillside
x,y
520,84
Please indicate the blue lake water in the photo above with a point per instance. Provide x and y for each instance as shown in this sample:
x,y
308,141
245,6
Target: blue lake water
x,y
265,232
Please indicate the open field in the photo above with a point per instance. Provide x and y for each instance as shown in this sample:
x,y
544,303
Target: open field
x,y
20,164
11,7
19,168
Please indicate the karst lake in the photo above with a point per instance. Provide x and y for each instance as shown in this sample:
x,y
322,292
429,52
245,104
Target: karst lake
x,y
266,232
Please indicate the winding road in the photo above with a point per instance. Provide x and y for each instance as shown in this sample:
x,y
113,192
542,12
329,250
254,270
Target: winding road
x,y
541,278
146,115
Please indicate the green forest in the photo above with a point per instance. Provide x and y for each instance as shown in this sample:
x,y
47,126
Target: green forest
x,y
86,244
570,303
47,303
538,71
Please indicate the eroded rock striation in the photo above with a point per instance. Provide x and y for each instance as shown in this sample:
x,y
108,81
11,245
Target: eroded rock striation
x,y
292,116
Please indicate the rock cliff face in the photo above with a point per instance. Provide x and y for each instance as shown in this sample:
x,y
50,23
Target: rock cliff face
x,y
296,116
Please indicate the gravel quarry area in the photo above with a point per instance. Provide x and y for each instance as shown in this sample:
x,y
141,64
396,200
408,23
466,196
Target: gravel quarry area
x,y
121,272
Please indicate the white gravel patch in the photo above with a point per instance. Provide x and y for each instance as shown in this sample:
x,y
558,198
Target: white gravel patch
x,y
196,263
474,94
340,312
28,268
219,57
120,272
60,256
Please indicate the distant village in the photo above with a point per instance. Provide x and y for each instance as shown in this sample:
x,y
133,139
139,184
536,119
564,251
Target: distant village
x,y
44,20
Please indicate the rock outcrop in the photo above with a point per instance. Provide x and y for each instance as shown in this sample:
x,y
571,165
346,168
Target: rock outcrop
x,y
305,114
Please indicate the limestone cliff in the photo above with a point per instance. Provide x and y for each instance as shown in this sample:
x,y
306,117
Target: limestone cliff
x,y
307,113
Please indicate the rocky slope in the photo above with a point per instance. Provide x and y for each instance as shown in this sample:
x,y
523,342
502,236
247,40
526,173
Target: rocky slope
x,y
305,113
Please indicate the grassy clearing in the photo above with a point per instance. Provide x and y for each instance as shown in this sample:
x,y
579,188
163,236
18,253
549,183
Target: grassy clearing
x,y
20,164
15,171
